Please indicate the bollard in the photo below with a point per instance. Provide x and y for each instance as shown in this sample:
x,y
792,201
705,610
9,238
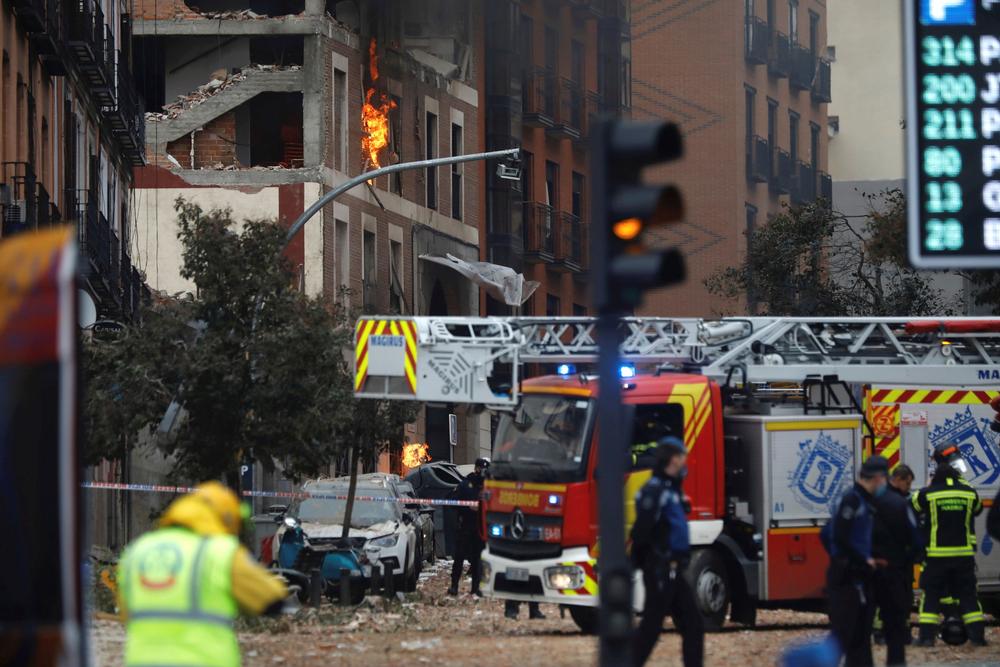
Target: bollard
x,y
345,586
376,578
315,587
390,581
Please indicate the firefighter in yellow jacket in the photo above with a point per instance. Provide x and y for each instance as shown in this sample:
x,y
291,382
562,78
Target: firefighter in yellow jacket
x,y
181,586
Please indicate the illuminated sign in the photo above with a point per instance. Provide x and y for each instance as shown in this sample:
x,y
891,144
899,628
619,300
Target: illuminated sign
x,y
953,133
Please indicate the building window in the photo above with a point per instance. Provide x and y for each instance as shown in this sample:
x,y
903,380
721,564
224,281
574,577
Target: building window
x,y
579,311
527,189
577,65
748,8
772,132
813,33
793,21
552,185
342,271
456,172
772,19
551,49
340,120
577,195
814,144
395,277
551,305
369,268
396,142
527,40
750,100
793,136
430,152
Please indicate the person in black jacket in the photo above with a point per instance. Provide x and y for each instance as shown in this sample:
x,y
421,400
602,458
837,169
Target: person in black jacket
x,y
848,537
469,545
897,544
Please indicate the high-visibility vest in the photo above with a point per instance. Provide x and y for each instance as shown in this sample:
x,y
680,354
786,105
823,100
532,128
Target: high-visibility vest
x,y
950,507
176,586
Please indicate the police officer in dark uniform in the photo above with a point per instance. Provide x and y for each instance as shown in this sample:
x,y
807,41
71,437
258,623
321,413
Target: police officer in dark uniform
x,y
897,544
661,547
848,538
469,545
948,508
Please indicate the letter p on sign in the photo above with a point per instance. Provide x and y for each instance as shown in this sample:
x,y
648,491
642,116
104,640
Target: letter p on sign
x,y
950,12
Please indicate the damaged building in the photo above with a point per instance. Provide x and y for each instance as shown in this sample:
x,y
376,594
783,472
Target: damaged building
x,y
265,106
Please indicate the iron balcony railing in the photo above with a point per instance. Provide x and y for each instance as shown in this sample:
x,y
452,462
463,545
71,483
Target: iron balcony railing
x,y
539,97
570,110
779,55
30,14
19,209
804,191
825,186
822,81
126,117
540,222
803,68
781,172
569,252
758,160
756,37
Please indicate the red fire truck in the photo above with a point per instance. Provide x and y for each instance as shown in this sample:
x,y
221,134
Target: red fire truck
x,y
777,414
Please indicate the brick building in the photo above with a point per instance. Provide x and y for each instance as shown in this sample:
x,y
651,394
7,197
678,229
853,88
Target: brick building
x,y
71,128
258,106
748,84
550,67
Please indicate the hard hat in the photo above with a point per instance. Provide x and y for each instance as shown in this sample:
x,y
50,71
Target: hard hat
x,y
947,453
483,463
223,502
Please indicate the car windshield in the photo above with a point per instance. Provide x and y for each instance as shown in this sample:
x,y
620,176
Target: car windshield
x,y
544,439
365,512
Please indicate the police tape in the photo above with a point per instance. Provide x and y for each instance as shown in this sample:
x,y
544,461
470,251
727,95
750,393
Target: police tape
x,y
291,495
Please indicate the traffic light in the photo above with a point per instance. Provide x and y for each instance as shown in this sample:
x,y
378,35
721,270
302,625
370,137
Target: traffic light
x,y
625,209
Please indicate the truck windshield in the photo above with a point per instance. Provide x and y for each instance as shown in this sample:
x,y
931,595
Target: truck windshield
x,y
545,439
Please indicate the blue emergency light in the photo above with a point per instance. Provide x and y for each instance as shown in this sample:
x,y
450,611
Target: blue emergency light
x,y
565,369
626,371
496,530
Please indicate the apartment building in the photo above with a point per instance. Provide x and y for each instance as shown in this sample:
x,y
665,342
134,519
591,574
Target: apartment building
x,y
551,66
749,84
71,129
264,106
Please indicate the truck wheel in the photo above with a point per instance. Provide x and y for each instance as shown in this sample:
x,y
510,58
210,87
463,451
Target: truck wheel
x,y
585,618
708,579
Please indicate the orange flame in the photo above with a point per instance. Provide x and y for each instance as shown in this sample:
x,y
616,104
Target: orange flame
x,y
374,116
415,454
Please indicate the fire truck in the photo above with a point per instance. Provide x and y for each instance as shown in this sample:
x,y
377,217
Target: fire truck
x,y
777,414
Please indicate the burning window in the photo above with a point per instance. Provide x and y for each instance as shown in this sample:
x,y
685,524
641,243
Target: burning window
x,y
374,116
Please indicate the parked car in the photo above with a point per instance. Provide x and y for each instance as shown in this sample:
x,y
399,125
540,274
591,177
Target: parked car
x,y
438,479
423,516
381,532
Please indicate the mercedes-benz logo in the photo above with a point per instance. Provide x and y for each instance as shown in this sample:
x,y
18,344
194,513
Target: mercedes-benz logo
x,y
517,524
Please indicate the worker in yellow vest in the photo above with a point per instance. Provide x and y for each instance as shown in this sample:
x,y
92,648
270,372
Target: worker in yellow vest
x,y
181,586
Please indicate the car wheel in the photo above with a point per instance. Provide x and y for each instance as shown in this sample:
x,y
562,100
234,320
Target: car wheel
x,y
710,583
585,618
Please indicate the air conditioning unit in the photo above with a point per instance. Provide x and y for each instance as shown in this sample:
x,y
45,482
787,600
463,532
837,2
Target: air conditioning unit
x,y
16,213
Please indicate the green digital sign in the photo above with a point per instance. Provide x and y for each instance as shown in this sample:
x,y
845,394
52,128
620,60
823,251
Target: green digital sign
x,y
953,132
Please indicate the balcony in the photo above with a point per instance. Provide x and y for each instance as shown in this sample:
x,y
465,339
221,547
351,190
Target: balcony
x,y
821,83
88,40
758,160
804,191
803,69
589,114
49,42
539,97
95,237
126,117
825,187
30,14
570,241
757,34
540,223
18,201
779,56
569,111
781,172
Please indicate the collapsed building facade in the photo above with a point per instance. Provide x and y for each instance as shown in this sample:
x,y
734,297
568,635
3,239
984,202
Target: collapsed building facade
x,y
265,106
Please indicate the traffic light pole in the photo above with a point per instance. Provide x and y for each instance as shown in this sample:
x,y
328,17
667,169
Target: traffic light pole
x,y
613,566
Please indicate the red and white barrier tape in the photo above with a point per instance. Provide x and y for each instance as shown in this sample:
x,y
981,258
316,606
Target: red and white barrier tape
x,y
293,495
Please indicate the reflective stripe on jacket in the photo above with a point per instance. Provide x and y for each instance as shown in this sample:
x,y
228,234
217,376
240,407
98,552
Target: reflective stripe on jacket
x,y
949,506
176,587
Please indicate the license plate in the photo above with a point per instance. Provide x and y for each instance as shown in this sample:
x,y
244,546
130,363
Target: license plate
x,y
517,574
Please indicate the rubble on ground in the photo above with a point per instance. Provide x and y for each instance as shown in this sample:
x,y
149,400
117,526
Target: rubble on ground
x,y
220,82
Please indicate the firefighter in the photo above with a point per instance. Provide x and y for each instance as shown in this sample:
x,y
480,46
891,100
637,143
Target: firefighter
x,y
848,538
469,545
948,508
181,586
896,545
661,547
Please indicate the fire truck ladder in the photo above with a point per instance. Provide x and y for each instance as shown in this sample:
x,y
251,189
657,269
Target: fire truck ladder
x,y
455,356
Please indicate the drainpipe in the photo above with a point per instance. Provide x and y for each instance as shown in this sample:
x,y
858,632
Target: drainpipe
x,y
194,132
